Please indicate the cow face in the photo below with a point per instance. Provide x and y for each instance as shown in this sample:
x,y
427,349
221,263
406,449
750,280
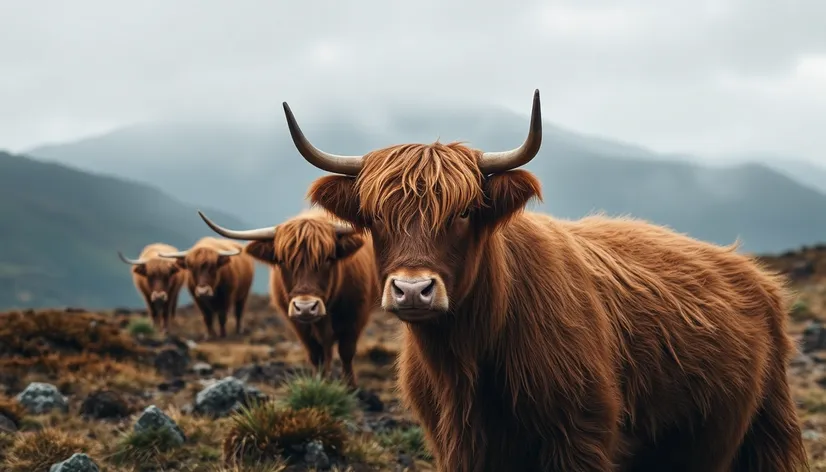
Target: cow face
x,y
430,208
160,276
306,250
203,265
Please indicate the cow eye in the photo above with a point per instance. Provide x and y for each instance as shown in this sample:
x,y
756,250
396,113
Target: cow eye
x,y
465,213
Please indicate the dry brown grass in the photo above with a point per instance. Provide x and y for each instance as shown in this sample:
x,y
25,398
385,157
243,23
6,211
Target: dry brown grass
x,y
36,452
11,409
268,431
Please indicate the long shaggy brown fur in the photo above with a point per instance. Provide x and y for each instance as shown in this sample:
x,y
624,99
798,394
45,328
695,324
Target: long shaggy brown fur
x,y
230,278
307,258
593,345
158,274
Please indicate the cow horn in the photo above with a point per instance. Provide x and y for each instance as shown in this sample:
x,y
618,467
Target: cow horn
x,y
174,255
347,165
261,234
342,228
130,261
493,162
229,252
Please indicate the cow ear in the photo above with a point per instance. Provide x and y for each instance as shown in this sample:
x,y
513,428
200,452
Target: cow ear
x,y
264,251
337,194
347,244
180,262
223,260
506,194
140,269
173,269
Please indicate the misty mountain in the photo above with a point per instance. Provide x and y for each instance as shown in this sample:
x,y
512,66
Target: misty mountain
x,y
61,229
252,171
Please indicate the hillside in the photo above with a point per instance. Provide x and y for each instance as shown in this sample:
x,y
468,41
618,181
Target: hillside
x,y
580,174
61,228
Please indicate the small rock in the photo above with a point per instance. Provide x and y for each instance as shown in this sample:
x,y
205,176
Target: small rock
x,y
174,385
191,344
102,404
271,373
811,435
79,462
315,456
406,461
7,425
224,396
172,362
153,418
802,361
370,401
202,369
38,398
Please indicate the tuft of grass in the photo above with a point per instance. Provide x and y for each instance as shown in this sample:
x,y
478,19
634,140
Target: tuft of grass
x,y
277,466
367,451
800,311
143,447
138,326
266,431
36,452
410,441
314,391
13,410
6,441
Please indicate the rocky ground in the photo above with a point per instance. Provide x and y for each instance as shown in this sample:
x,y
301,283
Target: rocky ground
x,y
85,392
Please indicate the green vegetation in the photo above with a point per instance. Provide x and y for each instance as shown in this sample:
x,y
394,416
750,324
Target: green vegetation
x,y
313,391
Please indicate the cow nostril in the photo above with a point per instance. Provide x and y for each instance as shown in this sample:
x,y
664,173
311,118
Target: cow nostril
x,y
396,290
315,305
429,289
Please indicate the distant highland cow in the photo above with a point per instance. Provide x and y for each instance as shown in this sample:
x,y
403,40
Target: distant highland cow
x,y
158,280
220,278
536,344
322,278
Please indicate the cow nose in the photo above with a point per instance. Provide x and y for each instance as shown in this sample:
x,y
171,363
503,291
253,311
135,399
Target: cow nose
x,y
306,307
158,295
203,290
413,293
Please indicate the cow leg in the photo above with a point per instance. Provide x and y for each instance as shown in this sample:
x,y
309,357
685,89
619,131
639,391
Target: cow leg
x,y
206,312
239,312
346,351
222,322
712,447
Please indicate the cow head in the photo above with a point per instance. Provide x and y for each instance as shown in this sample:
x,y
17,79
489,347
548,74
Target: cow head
x,y
430,209
203,264
306,249
159,275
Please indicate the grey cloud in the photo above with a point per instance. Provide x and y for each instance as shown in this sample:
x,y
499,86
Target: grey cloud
x,y
648,71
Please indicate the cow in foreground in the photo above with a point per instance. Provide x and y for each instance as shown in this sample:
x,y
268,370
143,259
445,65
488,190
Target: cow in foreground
x,y
158,280
220,278
322,277
537,344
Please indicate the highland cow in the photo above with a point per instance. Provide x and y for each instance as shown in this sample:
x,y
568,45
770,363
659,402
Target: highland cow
x,y
322,280
158,281
220,278
537,344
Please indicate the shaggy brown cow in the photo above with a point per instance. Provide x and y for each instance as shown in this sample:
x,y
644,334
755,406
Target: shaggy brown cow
x,y
158,280
536,344
322,277
220,278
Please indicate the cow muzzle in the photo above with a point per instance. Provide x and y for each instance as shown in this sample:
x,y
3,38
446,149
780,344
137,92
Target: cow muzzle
x,y
415,296
306,309
203,291
158,296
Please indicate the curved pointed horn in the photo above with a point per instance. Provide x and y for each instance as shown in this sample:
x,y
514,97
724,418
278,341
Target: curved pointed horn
x,y
126,260
347,165
229,252
342,228
174,255
261,234
493,162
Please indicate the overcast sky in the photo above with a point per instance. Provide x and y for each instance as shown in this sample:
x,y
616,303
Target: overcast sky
x,y
699,76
